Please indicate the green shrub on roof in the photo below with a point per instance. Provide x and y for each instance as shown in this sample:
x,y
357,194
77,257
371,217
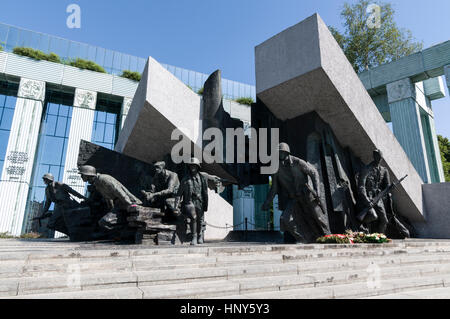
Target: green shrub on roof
x,y
200,92
135,76
36,54
245,100
87,65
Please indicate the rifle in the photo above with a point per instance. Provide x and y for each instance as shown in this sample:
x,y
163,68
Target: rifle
x,y
373,216
316,197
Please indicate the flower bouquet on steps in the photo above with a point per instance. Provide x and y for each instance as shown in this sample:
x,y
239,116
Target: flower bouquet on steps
x,y
354,238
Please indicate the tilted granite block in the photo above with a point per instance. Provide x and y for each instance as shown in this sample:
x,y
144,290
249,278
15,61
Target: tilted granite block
x,y
303,69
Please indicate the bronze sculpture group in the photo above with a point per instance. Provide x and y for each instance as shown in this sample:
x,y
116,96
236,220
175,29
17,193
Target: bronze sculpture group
x,y
304,218
176,210
169,206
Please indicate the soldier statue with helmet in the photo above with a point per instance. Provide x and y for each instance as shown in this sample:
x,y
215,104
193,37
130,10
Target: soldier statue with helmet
x,y
193,192
119,200
59,194
303,218
373,181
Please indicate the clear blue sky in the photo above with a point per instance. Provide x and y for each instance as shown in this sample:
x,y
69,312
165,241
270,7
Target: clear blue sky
x,y
205,35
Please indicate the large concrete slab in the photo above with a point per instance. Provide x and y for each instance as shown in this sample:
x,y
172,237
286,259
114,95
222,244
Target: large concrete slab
x,y
303,69
161,104
437,211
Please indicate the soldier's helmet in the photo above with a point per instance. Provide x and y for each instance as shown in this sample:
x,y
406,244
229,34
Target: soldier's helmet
x,y
88,170
283,147
378,152
194,161
161,165
49,177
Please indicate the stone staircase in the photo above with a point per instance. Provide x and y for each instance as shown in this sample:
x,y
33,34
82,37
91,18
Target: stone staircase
x,y
59,269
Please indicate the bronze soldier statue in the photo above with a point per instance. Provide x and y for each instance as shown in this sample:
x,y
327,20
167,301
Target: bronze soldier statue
x,y
194,194
119,200
163,190
59,194
303,216
373,180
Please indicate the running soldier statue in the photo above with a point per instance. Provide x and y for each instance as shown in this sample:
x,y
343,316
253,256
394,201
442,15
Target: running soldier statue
x,y
59,194
303,216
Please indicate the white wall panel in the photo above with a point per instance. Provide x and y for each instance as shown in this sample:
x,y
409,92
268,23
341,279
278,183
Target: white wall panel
x,y
16,174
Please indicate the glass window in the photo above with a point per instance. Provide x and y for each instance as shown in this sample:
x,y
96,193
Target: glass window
x,y
108,64
3,34
6,117
106,124
13,38
51,155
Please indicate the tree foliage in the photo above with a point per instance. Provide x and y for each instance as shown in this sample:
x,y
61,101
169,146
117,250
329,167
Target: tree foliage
x,y
444,145
367,46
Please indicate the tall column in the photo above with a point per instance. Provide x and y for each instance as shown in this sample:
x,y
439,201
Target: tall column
x,y
437,169
20,154
80,129
447,75
407,124
125,109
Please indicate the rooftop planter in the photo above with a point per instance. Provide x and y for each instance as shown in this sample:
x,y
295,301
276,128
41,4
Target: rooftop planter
x,y
135,76
36,54
87,65
245,100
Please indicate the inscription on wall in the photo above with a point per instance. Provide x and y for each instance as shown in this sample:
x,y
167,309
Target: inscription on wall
x,y
16,164
73,178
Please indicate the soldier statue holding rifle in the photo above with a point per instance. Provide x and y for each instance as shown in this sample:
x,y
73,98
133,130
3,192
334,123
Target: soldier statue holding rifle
x,y
374,189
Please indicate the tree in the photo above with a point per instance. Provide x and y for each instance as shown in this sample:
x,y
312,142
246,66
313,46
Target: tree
x,y
444,145
371,37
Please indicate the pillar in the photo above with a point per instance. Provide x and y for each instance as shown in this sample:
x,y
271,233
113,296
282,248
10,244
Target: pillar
x,y
447,75
407,124
80,129
124,112
20,154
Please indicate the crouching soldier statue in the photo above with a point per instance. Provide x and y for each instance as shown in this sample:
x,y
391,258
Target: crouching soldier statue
x,y
163,190
59,194
193,192
303,217
119,200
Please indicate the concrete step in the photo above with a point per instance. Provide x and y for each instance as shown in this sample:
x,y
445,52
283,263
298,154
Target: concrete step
x,y
44,253
15,269
436,293
386,289
191,258
112,293
276,277
217,270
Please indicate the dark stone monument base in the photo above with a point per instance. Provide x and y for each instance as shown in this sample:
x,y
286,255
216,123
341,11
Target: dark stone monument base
x,y
255,236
